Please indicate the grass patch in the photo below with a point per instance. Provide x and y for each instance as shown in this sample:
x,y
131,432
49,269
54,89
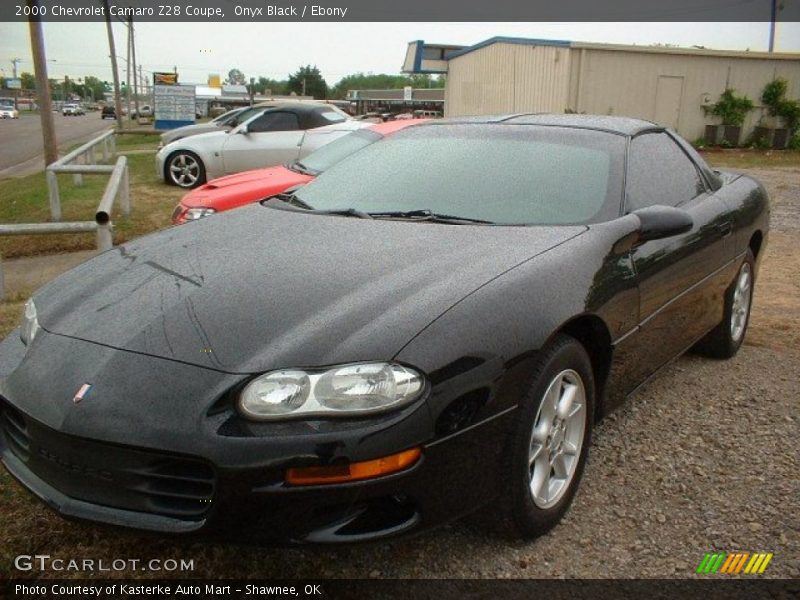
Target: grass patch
x,y
25,201
137,141
10,313
741,158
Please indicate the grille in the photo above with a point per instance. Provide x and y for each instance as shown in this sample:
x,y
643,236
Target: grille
x,y
122,477
15,432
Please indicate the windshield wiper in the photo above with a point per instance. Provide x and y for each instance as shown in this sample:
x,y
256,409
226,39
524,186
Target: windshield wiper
x,y
299,167
294,200
345,212
424,214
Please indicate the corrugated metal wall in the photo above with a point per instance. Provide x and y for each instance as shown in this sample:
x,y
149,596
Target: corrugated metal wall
x,y
505,78
627,83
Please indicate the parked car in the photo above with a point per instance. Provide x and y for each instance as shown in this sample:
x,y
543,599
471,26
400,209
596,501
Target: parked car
x,y
8,112
237,190
433,324
224,122
72,110
269,136
145,110
108,112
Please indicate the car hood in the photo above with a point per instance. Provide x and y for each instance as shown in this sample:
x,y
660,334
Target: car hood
x,y
263,288
187,131
234,190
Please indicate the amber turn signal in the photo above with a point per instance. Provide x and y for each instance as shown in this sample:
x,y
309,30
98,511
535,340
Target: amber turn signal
x,y
354,471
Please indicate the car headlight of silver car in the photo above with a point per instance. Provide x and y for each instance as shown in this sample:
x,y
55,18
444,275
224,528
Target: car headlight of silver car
x,y
198,213
347,390
30,323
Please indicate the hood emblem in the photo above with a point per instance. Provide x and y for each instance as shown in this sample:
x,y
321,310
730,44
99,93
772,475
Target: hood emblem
x,y
81,393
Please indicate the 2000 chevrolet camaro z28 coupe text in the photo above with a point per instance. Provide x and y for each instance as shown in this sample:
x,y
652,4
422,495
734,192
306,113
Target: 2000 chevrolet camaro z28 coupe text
x,y
430,327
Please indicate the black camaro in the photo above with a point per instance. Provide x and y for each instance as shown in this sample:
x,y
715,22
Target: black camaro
x,y
431,326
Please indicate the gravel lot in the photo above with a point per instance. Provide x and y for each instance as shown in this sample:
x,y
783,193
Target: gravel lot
x,y
703,458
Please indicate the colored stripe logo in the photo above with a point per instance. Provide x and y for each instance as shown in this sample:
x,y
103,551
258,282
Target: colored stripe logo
x,y
734,563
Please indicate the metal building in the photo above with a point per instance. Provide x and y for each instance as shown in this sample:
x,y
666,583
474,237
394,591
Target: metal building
x,y
663,84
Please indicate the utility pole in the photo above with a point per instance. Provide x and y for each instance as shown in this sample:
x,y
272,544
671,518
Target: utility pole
x,y
774,8
42,86
133,53
113,50
14,62
128,74
304,86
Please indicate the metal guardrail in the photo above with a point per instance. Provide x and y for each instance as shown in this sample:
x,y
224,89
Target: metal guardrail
x,y
117,188
89,166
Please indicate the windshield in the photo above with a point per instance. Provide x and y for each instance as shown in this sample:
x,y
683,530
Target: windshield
x,y
245,115
504,174
225,119
330,154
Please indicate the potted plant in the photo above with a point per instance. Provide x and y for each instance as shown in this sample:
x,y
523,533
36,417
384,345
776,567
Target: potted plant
x,y
782,119
731,110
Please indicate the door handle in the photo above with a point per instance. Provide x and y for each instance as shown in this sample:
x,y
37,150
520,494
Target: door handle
x,y
725,229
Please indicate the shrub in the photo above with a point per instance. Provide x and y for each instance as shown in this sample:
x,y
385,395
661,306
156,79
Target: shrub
x,y
774,98
773,93
732,109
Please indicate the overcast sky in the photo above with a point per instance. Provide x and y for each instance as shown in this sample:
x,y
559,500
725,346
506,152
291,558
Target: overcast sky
x,y
277,49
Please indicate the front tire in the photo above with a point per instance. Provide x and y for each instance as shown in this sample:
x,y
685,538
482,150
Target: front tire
x,y
726,338
184,169
551,442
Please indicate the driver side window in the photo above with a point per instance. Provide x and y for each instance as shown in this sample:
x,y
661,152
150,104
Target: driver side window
x,y
274,121
659,173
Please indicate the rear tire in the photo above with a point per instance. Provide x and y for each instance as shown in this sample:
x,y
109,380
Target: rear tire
x,y
549,447
726,338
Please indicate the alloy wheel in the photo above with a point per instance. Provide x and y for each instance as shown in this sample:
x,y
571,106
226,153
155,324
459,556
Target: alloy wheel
x,y
740,307
557,439
184,170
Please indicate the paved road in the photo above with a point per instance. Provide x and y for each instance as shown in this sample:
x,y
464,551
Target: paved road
x,y
21,139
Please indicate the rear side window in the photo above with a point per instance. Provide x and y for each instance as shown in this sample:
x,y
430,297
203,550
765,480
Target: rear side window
x,y
659,172
332,116
274,121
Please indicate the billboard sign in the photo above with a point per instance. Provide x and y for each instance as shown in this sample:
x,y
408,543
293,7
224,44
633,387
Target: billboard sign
x,y
14,84
174,105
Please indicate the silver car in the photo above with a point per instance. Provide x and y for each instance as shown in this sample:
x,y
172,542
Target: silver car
x,y
72,110
267,137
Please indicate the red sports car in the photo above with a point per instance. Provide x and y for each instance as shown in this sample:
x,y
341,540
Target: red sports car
x,y
236,190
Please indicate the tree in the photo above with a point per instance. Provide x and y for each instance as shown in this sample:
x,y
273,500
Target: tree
x,y
382,81
264,84
236,77
28,81
93,87
308,79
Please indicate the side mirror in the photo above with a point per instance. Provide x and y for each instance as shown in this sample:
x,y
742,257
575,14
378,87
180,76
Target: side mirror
x,y
659,222
242,129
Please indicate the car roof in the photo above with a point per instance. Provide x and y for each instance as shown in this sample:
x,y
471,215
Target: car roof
x,y
391,126
299,107
618,125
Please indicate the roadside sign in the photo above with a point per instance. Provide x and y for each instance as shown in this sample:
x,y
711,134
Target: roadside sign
x,y
174,105
14,84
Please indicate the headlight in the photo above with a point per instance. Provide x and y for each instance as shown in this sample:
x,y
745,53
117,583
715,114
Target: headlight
x,y
30,323
347,390
198,213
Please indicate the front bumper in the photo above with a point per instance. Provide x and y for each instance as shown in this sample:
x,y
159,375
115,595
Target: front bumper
x,y
217,476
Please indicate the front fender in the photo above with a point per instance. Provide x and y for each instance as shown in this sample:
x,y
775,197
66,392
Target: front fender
x,y
498,330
